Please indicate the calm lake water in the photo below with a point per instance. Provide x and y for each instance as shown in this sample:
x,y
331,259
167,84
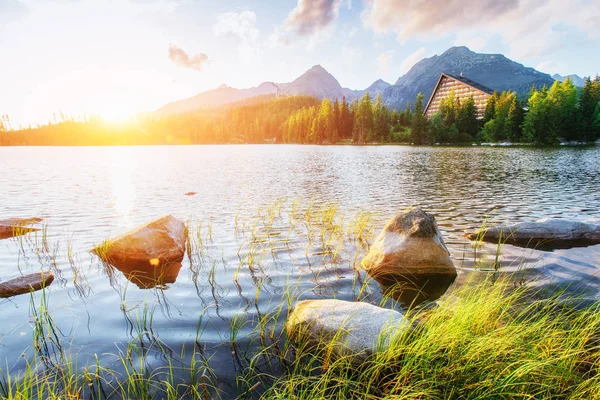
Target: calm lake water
x,y
254,200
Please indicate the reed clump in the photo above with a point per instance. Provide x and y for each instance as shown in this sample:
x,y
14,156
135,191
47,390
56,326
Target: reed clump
x,y
489,341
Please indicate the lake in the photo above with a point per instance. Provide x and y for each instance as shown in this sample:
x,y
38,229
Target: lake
x,y
268,220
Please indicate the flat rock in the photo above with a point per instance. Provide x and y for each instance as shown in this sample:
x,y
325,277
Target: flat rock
x,y
26,284
359,329
11,227
547,233
152,252
409,258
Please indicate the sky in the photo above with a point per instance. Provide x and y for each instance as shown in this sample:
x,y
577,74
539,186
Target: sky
x,y
115,58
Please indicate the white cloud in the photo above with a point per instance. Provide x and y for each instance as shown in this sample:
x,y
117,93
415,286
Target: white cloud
x,y
530,28
241,25
182,59
319,37
548,67
311,16
310,19
385,59
278,38
412,17
412,60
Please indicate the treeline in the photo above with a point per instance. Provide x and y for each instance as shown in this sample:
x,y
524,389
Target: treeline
x,y
549,115
248,123
361,121
561,112
254,121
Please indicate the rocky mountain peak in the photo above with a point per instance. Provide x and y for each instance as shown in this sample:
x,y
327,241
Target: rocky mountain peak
x,y
492,70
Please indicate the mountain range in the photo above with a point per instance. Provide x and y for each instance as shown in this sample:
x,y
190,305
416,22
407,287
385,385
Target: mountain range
x,y
576,79
316,82
492,70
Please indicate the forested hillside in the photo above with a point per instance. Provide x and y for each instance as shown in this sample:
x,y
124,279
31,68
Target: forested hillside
x,y
549,115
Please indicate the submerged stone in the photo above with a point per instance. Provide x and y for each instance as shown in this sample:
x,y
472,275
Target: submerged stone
x,y
353,328
11,227
546,234
410,260
26,284
150,254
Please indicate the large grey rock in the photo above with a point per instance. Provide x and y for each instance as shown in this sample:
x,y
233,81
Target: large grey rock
x,y
26,284
149,253
359,329
409,258
547,233
17,226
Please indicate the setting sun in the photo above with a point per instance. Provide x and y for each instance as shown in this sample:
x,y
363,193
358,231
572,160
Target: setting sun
x,y
115,115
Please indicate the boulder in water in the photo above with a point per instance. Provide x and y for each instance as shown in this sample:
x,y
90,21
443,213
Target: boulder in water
x,y
357,329
547,233
11,227
409,258
150,250
26,284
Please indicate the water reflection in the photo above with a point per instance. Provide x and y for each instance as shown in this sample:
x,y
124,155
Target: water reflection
x,y
147,276
123,189
412,290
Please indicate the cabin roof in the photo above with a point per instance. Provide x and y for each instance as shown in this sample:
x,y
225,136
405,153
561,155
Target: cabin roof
x,y
469,82
462,79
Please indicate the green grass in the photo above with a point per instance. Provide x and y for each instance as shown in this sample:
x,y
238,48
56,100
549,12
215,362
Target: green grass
x,y
485,340
489,341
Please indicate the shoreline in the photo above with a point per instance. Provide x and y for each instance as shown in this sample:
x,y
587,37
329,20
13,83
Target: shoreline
x,y
474,144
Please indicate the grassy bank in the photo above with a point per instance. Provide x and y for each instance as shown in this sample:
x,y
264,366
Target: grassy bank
x,y
488,341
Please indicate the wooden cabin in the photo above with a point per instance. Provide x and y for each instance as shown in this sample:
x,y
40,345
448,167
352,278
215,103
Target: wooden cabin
x,y
463,89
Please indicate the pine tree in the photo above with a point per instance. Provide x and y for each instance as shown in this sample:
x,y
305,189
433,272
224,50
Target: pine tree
x,y
363,120
381,118
406,117
466,118
419,122
345,123
586,112
322,119
490,108
514,121
538,126
333,123
447,109
568,114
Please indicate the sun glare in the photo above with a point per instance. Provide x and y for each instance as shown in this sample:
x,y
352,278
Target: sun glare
x,y
115,115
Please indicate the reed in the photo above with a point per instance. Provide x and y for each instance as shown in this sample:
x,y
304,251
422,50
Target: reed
x,y
488,340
